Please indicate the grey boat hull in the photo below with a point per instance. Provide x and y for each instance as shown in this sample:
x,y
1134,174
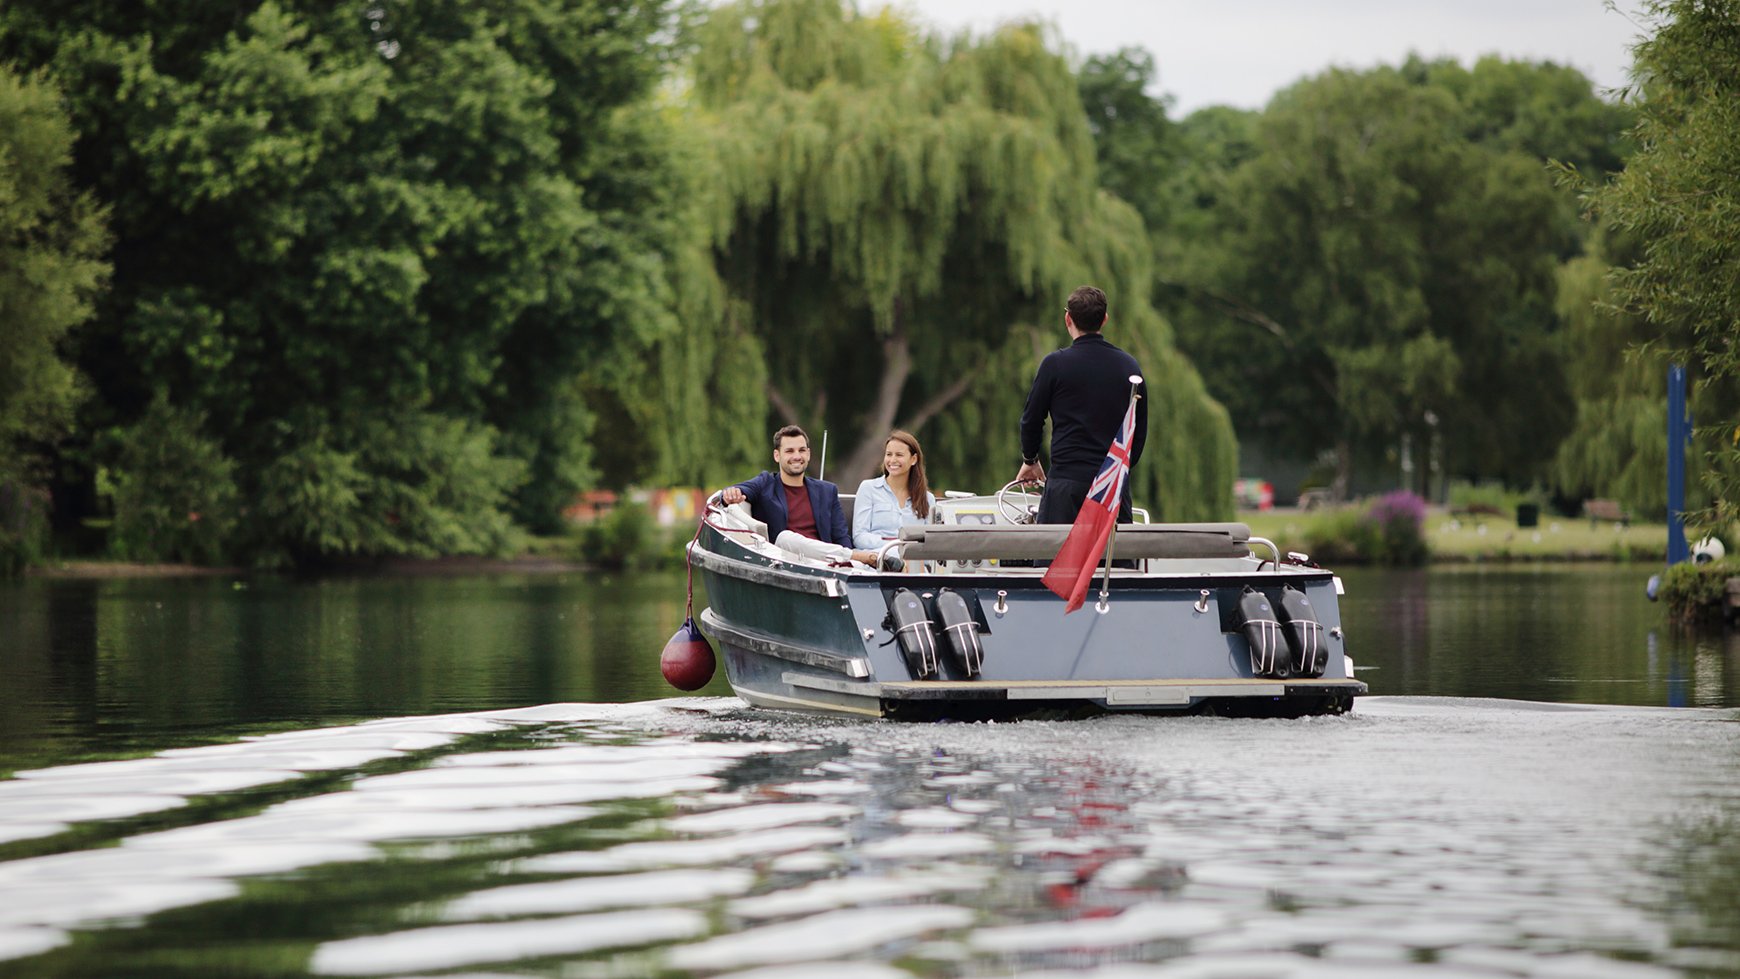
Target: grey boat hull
x,y
1167,639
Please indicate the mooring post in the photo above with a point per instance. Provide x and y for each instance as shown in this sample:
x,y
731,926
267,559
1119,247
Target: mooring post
x,y
1679,425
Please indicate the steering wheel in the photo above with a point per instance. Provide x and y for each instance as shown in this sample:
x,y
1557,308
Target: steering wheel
x,y
1017,511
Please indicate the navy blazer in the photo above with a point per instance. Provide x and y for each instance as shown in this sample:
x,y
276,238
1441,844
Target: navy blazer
x,y
766,496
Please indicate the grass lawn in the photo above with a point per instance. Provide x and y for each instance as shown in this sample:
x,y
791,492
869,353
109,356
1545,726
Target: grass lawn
x,y
1487,538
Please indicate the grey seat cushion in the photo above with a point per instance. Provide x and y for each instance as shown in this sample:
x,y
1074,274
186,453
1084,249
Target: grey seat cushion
x,y
1041,542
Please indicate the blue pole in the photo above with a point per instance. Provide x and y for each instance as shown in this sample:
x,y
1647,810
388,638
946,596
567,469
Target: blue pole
x,y
1679,433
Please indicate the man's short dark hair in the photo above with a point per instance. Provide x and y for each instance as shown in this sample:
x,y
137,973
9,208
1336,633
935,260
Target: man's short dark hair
x,y
1087,309
790,431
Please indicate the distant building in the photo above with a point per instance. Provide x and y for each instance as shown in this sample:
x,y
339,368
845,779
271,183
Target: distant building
x,y
672,507
589,506
669,507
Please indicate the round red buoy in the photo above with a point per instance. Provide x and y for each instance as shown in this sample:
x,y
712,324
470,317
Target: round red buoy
x,y
687,661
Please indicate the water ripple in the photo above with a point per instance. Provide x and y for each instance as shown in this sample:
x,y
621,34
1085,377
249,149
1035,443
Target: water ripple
x,y
694,836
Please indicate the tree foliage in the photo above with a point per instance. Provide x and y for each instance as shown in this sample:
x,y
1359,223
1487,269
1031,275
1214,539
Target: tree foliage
x,y
1617,446
1134,142
1378,264
52,239
1679,204
896,219
395,232
175,490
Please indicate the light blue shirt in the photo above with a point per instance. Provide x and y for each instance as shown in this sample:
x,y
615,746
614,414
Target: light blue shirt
x,y
877,517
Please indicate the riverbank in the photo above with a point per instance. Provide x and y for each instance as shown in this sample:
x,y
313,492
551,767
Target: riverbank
x,y
1449,538
1483,537
529,563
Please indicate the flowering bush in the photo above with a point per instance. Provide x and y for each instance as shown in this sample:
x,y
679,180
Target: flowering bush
x,y
1400,521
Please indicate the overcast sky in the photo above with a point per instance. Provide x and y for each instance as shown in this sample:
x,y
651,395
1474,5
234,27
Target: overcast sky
x,y
1240,52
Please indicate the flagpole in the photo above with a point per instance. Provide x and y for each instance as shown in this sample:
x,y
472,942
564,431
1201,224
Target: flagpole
x,y
1105,601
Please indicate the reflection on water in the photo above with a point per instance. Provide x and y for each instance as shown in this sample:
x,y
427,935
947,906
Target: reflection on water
x,y
1557,633
184,804
695,837
112,666
109,666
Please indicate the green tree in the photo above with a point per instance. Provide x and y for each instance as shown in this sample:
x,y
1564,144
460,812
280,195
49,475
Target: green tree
x,y
1134,143
1617,446
1544,111
900,217
389,235
1679,204
52,240
1376,276
1540,109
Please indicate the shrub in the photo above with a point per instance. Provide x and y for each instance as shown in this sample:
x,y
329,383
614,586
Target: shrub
x,y
620,539
1341,536
1400,519
23,527
627,539
1390,531
412,485
175,493
1692,591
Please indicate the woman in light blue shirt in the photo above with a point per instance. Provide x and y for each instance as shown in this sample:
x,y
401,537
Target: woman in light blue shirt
x,y
901,495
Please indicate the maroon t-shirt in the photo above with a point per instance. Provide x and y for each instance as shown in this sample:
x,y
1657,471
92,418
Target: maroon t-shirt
x,y
799,518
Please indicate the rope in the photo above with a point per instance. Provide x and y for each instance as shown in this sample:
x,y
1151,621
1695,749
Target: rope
x,y
689,562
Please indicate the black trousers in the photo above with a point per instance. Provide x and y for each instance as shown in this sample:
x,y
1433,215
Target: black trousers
x,y
1062,502
1063,499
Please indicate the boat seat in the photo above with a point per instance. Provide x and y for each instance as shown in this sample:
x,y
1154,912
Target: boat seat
x,y
738,517
928,542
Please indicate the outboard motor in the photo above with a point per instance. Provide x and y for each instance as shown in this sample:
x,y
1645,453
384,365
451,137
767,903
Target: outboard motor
x,y
911,626
962,630
1263,632
1304,633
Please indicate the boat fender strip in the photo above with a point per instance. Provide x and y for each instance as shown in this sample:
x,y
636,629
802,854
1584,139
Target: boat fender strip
x,y
1262,632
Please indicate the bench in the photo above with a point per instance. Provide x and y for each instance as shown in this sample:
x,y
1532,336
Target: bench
x,y
1609,510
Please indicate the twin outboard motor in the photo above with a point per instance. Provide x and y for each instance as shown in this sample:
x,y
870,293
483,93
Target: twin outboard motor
x,y
916,621
1263,632
962,631
912,628
1286,641
1304,633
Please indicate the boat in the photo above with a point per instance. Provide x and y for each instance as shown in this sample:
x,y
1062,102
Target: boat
x,y
1184,618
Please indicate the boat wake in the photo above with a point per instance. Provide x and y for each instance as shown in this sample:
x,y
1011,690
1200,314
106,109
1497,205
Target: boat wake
x,y
700,835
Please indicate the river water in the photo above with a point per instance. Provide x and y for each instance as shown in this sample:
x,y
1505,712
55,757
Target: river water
x,y
485,776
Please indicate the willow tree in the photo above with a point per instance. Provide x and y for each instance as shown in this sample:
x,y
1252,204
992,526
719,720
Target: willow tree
x,y
1679,204
1617,446
900,217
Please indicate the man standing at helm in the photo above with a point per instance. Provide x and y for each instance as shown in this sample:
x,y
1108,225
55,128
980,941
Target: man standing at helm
x,y
1085,390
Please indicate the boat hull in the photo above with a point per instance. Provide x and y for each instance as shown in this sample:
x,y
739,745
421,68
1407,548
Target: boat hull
x,y
797,637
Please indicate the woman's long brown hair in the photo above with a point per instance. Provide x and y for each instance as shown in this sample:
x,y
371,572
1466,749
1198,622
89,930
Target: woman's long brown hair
x,y
916,485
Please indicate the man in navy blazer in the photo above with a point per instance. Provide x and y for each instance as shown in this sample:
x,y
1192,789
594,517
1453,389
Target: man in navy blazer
x,y
795,506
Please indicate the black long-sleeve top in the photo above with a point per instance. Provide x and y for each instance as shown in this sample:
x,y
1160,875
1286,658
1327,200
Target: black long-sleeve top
x,y
1085,388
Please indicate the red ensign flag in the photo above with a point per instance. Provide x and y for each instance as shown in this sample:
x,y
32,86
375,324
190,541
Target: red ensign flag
x,y
1072,570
